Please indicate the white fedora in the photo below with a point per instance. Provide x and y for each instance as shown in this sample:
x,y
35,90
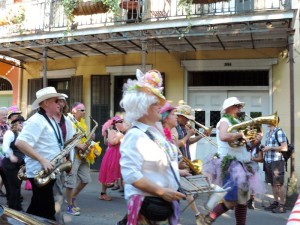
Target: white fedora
x,y
230,102
43,94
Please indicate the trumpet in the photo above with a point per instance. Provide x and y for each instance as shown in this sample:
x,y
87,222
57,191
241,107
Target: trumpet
x,y
207,129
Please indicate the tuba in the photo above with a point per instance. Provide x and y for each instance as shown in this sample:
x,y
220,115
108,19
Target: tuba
x,y
89,141
195,166
248,128
44,177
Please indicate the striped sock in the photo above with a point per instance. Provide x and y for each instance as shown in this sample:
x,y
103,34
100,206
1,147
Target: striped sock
x,y
240,214
218,210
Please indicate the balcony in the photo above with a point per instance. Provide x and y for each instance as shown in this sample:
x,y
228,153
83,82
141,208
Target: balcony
x,y
224,25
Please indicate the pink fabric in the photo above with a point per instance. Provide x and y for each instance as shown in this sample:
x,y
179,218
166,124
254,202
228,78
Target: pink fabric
x,y
134,205
108,123
78,107
27,185
110,170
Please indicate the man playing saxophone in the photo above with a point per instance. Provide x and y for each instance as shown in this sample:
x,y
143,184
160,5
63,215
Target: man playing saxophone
x,y
41,140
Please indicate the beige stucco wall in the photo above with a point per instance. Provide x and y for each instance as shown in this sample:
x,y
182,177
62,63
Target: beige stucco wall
x,y
170,64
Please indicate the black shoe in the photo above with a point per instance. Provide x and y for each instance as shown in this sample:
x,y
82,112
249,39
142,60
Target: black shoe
x,y
274,205
123,221
280,209
250,204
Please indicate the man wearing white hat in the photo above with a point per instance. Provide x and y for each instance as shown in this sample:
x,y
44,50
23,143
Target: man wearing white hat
x,y
234,172
41,140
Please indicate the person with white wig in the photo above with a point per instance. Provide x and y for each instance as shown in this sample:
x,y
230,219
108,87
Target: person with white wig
x,y
149,164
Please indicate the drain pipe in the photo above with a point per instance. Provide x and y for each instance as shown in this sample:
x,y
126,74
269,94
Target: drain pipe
x,y
292,190
44,67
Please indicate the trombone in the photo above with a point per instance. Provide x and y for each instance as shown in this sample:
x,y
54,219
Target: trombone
x,y
207,129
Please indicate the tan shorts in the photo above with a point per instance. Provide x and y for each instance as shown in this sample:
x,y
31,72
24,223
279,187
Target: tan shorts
x,y
80,170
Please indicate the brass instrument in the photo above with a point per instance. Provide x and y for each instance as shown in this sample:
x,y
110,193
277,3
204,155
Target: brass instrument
x,y
22,173
207,129
23,218
89,142
195,166
43,177
247,128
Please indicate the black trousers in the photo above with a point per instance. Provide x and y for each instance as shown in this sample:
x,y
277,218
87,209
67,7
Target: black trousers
x,y
4,180
14,184
42,201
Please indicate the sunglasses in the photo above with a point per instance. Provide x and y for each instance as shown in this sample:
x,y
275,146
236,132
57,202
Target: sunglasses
x,y
119,121
82,110
238,106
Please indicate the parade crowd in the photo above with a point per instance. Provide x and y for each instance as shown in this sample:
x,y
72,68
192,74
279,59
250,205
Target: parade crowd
x,y
148,151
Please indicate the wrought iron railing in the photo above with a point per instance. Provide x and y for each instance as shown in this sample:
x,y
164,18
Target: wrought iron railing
x,y
42,16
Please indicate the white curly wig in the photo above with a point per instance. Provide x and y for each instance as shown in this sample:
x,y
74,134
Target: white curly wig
x,y
136,104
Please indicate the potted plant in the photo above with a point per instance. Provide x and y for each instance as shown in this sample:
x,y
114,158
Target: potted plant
x,y
87,7
187,7
14,15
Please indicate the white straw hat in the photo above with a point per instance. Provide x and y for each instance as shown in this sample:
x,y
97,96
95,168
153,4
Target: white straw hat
x,y
230,102
43,94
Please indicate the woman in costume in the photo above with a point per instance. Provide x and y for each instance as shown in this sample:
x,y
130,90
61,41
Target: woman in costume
x,y
113,132
149,164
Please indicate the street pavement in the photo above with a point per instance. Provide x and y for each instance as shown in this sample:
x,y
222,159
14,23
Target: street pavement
x,y
99,212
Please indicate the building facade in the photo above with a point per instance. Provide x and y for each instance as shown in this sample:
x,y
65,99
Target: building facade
x,y
206,53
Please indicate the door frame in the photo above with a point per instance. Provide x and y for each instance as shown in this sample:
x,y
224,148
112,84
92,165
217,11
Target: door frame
x,y
225,65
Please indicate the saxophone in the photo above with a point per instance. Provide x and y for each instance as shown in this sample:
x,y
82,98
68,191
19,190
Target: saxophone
x,y
89,142
43,177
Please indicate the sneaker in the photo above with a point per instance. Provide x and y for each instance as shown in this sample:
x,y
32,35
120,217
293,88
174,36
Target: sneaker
x,y
204,220
74,205
280,209
73,212
274,205
104,197
250,204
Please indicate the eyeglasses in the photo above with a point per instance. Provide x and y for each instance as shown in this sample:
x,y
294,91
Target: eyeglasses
x,y
238,106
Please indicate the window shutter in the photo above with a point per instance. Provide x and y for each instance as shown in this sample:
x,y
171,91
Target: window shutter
x,y
76,87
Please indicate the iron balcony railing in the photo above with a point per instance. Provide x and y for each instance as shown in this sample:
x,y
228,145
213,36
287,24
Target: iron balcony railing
x,y
43,16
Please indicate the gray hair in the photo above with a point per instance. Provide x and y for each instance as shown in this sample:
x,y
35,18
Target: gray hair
x,y
136,104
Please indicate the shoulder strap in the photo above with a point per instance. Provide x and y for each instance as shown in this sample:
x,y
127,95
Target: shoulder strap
x,y
169,162
276,136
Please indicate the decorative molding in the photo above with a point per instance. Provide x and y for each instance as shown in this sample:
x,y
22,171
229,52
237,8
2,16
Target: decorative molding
x,y
66,73
229,64
125,70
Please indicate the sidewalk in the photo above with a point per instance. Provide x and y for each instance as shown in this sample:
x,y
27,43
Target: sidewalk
x,y
99,212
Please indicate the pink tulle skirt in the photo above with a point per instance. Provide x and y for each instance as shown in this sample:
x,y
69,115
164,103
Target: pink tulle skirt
x,y
110,170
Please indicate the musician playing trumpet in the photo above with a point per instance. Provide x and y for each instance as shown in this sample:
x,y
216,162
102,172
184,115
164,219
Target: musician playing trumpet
x,y
184,135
